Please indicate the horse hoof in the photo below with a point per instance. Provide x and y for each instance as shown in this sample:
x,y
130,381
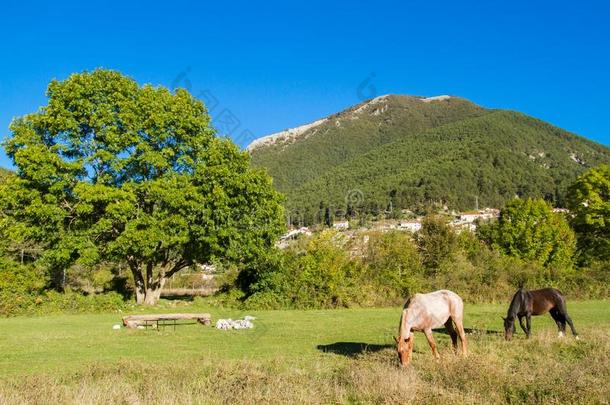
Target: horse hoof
x,y
577,337
560,335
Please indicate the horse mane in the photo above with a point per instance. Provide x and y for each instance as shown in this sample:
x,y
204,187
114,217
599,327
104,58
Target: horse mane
x,y
515,304
407,303
404,308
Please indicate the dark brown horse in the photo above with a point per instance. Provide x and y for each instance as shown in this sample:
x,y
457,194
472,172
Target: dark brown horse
x,y
537,302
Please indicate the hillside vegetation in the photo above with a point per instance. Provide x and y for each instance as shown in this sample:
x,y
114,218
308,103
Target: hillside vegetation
x,y
402,152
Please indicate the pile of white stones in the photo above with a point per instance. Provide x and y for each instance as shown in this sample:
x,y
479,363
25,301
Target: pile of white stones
x,y
226,324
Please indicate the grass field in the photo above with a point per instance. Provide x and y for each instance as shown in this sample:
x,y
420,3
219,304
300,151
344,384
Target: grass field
x,y
324,356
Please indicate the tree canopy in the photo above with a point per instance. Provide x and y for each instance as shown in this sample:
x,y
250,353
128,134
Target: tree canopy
x,y
529,230
111,170
589,202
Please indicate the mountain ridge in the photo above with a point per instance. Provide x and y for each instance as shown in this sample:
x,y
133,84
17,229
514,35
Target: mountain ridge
x,y
282,135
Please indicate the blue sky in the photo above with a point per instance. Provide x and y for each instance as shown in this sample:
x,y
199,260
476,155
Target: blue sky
x,y
273,65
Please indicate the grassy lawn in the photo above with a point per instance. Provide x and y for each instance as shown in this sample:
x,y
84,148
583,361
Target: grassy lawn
x,y
310,356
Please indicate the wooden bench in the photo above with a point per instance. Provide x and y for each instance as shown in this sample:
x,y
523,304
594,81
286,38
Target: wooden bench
x,y
134,321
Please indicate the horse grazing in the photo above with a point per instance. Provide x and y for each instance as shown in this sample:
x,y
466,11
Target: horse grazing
x,y
537,302
424,312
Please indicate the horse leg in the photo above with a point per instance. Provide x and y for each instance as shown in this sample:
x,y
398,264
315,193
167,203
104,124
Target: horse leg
x,y
566,317
563,311
431,342
522,324
528,321
410,347
559,320
452,333
460,329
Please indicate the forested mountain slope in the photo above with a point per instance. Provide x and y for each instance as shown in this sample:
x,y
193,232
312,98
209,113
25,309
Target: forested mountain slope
x,y
299,155
408,153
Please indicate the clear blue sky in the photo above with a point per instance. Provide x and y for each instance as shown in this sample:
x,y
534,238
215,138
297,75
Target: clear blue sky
x,y
275,65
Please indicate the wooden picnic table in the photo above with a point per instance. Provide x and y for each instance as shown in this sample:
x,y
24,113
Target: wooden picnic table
x,y
133,321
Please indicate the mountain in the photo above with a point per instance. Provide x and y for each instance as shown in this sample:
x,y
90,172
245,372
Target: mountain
x,y
412,152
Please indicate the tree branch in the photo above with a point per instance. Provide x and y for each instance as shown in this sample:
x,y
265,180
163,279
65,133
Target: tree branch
x,y
177,267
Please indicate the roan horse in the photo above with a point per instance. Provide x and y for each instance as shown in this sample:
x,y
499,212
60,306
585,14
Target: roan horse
x,y
424,312
537,302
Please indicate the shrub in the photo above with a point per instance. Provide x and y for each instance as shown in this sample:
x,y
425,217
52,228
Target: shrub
x,y
393,264
53,302
322,275
19,278
384,268
436,241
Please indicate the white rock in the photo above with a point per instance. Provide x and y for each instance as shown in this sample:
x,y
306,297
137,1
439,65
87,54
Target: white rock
x,y
435,98
226,324
287,135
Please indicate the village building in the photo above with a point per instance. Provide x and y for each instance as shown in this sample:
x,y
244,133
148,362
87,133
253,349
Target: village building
x,y
411,226
341,225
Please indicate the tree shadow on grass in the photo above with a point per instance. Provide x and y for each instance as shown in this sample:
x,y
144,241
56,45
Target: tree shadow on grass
x,y
353,349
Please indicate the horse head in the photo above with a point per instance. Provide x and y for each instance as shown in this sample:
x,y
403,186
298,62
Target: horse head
x,y
509,327
404,348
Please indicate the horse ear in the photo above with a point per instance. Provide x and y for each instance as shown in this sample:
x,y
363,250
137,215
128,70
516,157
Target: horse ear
x,y
395,339
503,318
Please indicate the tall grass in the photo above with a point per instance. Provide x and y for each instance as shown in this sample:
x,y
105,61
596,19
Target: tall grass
x,y
544,369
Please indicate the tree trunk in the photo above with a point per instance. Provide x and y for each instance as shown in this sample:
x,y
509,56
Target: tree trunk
x,y
150,298
139,286
147,287
153,291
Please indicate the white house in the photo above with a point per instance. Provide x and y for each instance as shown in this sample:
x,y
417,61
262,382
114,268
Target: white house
x,y
296,232
486,214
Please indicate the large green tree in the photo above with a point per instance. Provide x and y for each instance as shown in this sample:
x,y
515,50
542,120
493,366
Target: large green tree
x,y
112,170
530,230
589,203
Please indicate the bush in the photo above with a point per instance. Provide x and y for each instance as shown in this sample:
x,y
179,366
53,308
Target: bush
x,y
384,268
19,278
393,265
53,302
323,275
436,242
587,283
267,300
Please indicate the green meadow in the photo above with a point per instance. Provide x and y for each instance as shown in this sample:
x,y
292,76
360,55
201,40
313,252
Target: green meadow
x,y
318,356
